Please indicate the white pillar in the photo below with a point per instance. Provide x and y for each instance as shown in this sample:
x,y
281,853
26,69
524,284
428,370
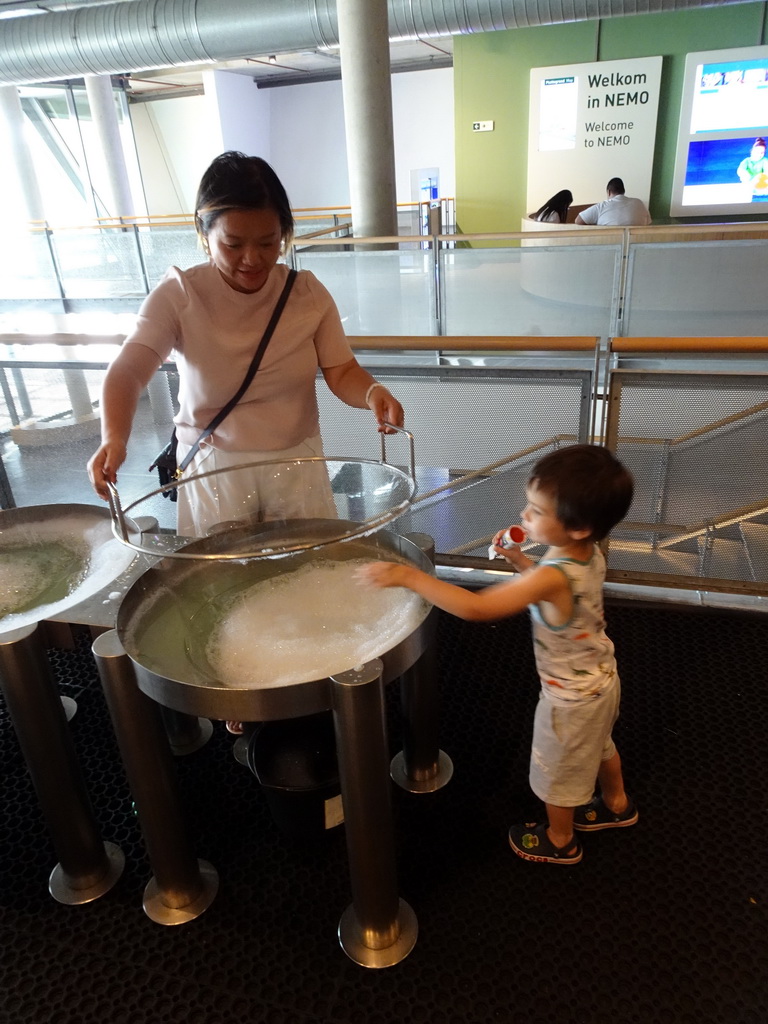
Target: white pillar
x,y
18,158
367,91
102,103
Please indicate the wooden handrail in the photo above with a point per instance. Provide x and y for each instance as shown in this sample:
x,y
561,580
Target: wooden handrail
x,y
323,231
745,344
470,343
463,343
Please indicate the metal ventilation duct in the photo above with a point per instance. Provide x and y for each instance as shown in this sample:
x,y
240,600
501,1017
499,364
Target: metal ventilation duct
x,y
137,35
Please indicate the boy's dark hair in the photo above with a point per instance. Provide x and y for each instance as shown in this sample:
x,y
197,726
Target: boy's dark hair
x,y
615,186
234,181
591,488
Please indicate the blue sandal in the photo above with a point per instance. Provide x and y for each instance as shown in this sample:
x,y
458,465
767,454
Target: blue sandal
x,y
531,842
595,815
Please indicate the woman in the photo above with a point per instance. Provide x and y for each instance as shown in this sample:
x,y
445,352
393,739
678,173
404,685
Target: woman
x,y
555,210
214,315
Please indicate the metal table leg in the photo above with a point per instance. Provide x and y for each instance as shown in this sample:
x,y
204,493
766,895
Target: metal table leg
x,y
421,767
378,929
87,867
186,733
182,887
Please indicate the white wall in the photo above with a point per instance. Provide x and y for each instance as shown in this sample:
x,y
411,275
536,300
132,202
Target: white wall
x,y
422,107
299,129
176,139
308,143
242,110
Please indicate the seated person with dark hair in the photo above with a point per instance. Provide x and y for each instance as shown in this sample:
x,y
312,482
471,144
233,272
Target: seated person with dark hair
x,y
555,210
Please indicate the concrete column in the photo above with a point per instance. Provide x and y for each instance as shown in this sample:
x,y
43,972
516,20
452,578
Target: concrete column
x,y
18,158
367,91
102,103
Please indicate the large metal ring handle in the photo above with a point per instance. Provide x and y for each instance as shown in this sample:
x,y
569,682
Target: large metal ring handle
x,y
411,450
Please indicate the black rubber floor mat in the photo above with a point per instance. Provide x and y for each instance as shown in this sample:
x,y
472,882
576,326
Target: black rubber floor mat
x,y
665,921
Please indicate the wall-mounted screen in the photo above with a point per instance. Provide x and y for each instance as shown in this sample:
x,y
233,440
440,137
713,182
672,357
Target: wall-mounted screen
x,y
721,165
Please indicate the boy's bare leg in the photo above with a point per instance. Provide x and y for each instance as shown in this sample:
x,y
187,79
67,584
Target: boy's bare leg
x,y
612,784
560,829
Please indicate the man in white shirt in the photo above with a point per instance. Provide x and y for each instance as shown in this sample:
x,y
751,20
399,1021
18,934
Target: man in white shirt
x,y
617,210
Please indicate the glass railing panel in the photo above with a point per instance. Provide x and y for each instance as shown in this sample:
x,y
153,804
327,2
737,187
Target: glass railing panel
x,y
98,263
697,289
411,222
383,292
308,225
550,290
171,246
26,268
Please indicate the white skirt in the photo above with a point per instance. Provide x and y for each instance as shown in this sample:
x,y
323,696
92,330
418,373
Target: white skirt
x,y
256,493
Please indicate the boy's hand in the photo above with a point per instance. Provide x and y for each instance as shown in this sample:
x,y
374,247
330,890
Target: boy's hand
x,y
382,574
511,553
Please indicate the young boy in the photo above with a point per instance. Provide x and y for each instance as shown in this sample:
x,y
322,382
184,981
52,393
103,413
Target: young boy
x,y
575,495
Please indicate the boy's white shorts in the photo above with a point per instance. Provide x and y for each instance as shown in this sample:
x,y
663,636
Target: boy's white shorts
x,y
568,745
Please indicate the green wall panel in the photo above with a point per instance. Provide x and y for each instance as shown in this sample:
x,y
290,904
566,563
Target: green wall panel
x,y
491,81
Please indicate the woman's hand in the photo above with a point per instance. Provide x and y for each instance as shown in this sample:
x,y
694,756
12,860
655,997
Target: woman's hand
x,y
355,386
103,466
386,408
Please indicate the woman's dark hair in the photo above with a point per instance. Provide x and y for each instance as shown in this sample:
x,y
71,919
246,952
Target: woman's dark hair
x,y
759,141
591,488
558,204
235,181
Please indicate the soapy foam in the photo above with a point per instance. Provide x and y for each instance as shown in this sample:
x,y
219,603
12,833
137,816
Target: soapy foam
x,y
29,570
309,624
76,551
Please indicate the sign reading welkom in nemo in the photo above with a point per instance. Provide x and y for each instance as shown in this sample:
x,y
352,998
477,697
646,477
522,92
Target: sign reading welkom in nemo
x,y
589,123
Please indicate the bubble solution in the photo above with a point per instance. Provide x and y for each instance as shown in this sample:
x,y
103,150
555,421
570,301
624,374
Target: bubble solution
x,y
309,624
48,565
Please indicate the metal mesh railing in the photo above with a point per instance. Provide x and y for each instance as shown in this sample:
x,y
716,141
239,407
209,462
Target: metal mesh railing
x,y
690,422
697,444
464,419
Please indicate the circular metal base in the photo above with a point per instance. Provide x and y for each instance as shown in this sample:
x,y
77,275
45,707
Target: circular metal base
x,y
63,892
195,742
240,750
161,913
431,785
70,707
352,944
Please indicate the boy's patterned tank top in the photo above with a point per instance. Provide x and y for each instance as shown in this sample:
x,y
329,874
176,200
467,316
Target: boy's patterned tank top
x,y
576,661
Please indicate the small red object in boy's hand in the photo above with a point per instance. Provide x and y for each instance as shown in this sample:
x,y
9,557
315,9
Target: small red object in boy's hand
x,y
514,535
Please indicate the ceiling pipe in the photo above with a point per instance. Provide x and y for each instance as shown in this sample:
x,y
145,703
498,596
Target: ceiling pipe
x,y
140,35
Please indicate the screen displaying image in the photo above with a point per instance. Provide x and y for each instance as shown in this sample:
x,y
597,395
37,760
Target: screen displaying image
x,y
730,94
720,166
557,113
726,171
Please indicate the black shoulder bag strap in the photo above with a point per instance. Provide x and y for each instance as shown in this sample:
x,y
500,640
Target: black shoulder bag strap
x,y
227,409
